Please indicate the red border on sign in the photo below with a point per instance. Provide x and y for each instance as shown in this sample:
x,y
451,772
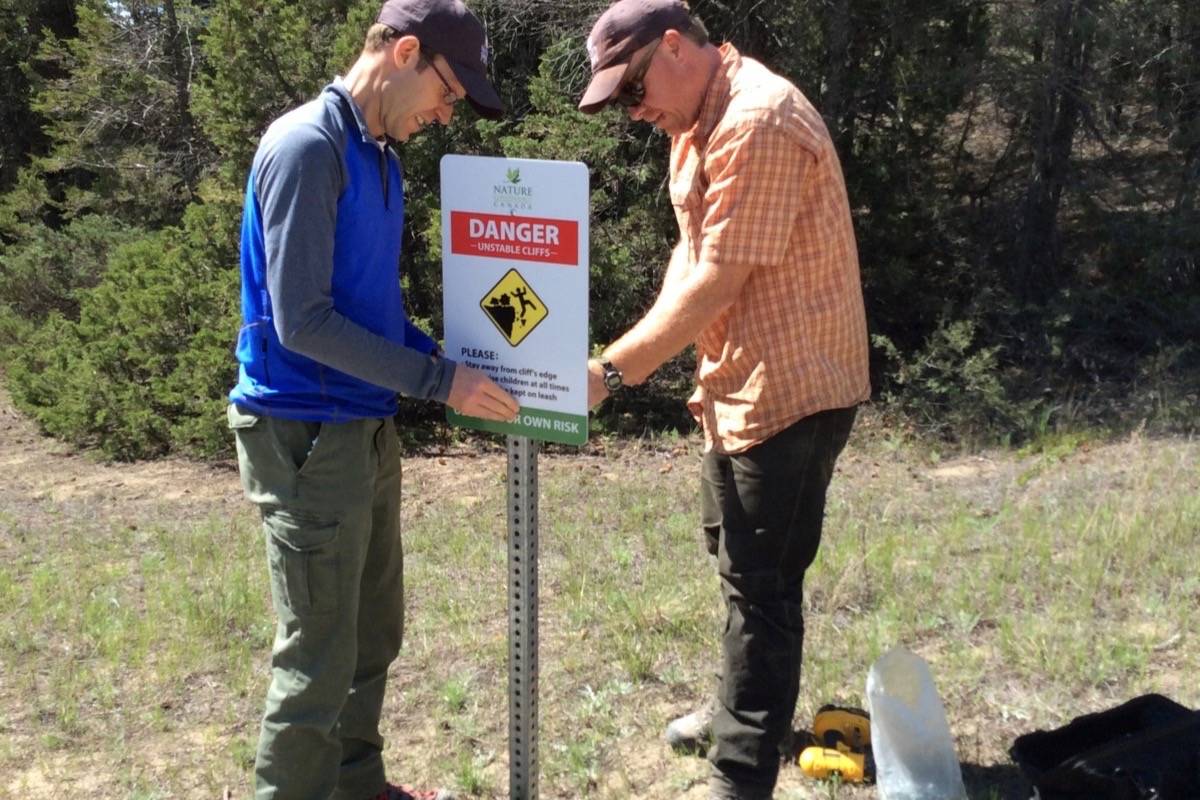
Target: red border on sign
x,y
548,241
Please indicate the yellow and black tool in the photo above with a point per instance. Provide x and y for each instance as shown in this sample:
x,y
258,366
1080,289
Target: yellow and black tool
x,y
834,725
823,763
840,746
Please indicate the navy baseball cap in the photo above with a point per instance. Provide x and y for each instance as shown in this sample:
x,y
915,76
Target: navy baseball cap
x,y
626,27
449,28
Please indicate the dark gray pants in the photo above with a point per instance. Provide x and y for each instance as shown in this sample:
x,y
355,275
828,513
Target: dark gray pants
x,y
762,512
330,500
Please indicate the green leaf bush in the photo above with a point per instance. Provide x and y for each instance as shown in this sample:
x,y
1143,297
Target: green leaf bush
x,y
145,368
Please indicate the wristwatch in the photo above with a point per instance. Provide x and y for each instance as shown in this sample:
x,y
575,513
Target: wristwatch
x,y
613,379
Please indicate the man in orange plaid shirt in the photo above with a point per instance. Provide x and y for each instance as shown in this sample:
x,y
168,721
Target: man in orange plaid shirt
x,y
765,282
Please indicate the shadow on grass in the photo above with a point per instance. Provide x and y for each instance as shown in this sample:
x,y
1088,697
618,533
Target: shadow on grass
x,y
995,782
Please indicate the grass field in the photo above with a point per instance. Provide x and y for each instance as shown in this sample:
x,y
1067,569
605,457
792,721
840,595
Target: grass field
x,y
135,623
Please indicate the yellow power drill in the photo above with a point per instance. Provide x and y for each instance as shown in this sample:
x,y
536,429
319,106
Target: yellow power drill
x,y
822,763
843,746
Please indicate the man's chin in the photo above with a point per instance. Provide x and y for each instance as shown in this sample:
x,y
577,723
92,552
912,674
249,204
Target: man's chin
x,y
667,125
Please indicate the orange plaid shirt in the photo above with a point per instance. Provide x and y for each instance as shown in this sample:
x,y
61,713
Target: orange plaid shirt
x,y
757,181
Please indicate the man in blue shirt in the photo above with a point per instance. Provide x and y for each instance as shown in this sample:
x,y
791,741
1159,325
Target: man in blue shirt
x,y
324,349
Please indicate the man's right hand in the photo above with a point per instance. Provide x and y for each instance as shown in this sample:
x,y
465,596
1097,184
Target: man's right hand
x,y
474,394
597,391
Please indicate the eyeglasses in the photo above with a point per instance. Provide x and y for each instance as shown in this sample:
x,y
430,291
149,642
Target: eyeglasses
x,y
451,96
633,91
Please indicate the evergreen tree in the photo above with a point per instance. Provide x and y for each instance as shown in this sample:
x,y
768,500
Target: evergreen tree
x,y
120,119
22,26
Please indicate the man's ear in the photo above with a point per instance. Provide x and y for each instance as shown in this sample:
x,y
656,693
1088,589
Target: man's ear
x,y
672,41
405,51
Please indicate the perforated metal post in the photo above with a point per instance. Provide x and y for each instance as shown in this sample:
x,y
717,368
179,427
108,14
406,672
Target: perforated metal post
x,y
522,619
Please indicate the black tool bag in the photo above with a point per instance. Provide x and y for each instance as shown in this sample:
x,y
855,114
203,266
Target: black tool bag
x,y
1146,749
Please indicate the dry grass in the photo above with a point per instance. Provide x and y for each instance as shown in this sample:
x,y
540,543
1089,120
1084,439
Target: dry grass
x,y
134,622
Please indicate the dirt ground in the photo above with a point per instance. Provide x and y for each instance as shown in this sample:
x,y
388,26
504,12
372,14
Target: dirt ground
x,y
42,479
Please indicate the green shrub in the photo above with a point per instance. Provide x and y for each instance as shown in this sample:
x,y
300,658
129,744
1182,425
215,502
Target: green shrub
x,y
47,269
953,386
145,369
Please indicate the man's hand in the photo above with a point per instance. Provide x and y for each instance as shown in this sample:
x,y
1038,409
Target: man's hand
x,y
597,391
474,394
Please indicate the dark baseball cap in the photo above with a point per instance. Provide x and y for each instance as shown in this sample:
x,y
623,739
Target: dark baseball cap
x,y
626,27
449,28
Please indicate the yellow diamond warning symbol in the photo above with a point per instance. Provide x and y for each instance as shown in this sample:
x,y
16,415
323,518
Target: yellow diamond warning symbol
x,y
513,307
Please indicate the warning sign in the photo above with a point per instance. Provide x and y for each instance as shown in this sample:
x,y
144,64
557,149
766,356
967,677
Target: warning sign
x,y
513,307
515,288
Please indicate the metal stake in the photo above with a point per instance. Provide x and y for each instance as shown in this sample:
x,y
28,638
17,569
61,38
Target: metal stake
x,y
522,619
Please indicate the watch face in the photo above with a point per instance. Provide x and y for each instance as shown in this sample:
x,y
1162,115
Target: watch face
x,y
612,380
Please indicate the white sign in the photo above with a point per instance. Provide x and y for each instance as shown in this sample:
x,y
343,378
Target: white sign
x,y
515,287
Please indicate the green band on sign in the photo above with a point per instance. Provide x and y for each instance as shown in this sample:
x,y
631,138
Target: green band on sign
x,y
545,426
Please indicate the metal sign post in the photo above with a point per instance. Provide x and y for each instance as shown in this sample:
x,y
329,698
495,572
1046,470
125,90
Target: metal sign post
x,y
522,618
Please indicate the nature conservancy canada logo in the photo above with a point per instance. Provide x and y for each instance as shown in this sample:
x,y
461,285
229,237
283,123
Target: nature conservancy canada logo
x,y
511,195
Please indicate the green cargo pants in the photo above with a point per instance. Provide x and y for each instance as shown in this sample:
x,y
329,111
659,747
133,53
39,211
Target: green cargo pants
x,y
329,494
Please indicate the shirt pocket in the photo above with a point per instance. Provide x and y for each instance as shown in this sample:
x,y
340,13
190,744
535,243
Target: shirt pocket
x,y
687,197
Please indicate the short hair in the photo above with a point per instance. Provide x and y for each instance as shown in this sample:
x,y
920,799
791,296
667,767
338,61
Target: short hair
x,y
380,36
696,31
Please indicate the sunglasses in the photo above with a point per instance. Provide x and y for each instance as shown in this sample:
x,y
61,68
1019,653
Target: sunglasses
x,y
633,91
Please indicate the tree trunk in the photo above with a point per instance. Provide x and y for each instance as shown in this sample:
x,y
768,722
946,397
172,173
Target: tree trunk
x,y
179,52
1187,81
1053,123
1183,267
837,101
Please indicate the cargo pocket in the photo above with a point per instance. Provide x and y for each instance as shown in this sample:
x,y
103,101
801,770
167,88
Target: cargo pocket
x,y
239,419
303,555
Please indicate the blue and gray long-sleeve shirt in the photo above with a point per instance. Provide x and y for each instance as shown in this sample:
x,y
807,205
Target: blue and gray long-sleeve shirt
x,y
325,337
